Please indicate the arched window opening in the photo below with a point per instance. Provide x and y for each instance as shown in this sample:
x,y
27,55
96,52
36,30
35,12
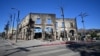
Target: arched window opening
x,y
49,21
71,25
38,21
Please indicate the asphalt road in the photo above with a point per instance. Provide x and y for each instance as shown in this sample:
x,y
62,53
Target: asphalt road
x,y
3,47
75,49
86,48
6,49
58,50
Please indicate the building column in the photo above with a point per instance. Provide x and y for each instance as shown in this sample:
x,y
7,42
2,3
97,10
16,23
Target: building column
x,y
54,35
68,37
32,34
59,35
43,26
43,33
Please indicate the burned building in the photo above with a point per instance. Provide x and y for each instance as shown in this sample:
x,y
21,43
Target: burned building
x,y
46,26
70,28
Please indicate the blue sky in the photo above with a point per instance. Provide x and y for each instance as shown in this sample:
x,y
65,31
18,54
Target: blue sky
x,y
72,8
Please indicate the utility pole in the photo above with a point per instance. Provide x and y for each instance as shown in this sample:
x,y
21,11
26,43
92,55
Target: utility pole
x,y
63,21
10,26
13,24
7,29
17,25
17,22
82,15
10,21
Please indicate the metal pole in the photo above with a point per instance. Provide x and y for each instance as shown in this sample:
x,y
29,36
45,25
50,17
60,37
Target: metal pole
x,y
82,16
7,28
17,25
11,21
13,24
63,20
83,26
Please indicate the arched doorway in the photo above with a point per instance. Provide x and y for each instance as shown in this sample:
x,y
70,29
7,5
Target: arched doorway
x,y
37,32
62,35
48,33
71,32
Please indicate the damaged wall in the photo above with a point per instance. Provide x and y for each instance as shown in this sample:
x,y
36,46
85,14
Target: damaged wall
x,y
46,22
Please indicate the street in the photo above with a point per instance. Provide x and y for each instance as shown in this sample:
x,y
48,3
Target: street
x,y
6,49
73,49
4,46
57,50
86,48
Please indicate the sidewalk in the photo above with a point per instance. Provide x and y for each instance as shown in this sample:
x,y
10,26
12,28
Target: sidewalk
x,y
27,43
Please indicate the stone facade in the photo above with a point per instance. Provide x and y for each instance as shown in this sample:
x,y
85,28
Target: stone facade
x,y
70,28
50,26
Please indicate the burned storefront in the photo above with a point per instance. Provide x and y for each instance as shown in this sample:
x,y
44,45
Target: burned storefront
x,y
46,26
42,26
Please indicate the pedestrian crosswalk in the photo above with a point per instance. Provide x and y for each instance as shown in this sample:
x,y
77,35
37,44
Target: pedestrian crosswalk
x,y
53,51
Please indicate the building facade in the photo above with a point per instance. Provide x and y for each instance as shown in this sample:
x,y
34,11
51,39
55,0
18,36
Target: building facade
x,y
70,28
46,27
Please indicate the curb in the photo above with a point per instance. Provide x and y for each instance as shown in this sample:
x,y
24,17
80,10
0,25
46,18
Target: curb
x,y
61,43
67,42
49,44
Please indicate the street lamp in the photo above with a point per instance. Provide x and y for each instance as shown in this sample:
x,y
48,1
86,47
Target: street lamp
x,y
63,20
17,21
82,15
13,25
6,29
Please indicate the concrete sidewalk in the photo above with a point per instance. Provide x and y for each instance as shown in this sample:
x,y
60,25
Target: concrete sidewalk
x,y
27,43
